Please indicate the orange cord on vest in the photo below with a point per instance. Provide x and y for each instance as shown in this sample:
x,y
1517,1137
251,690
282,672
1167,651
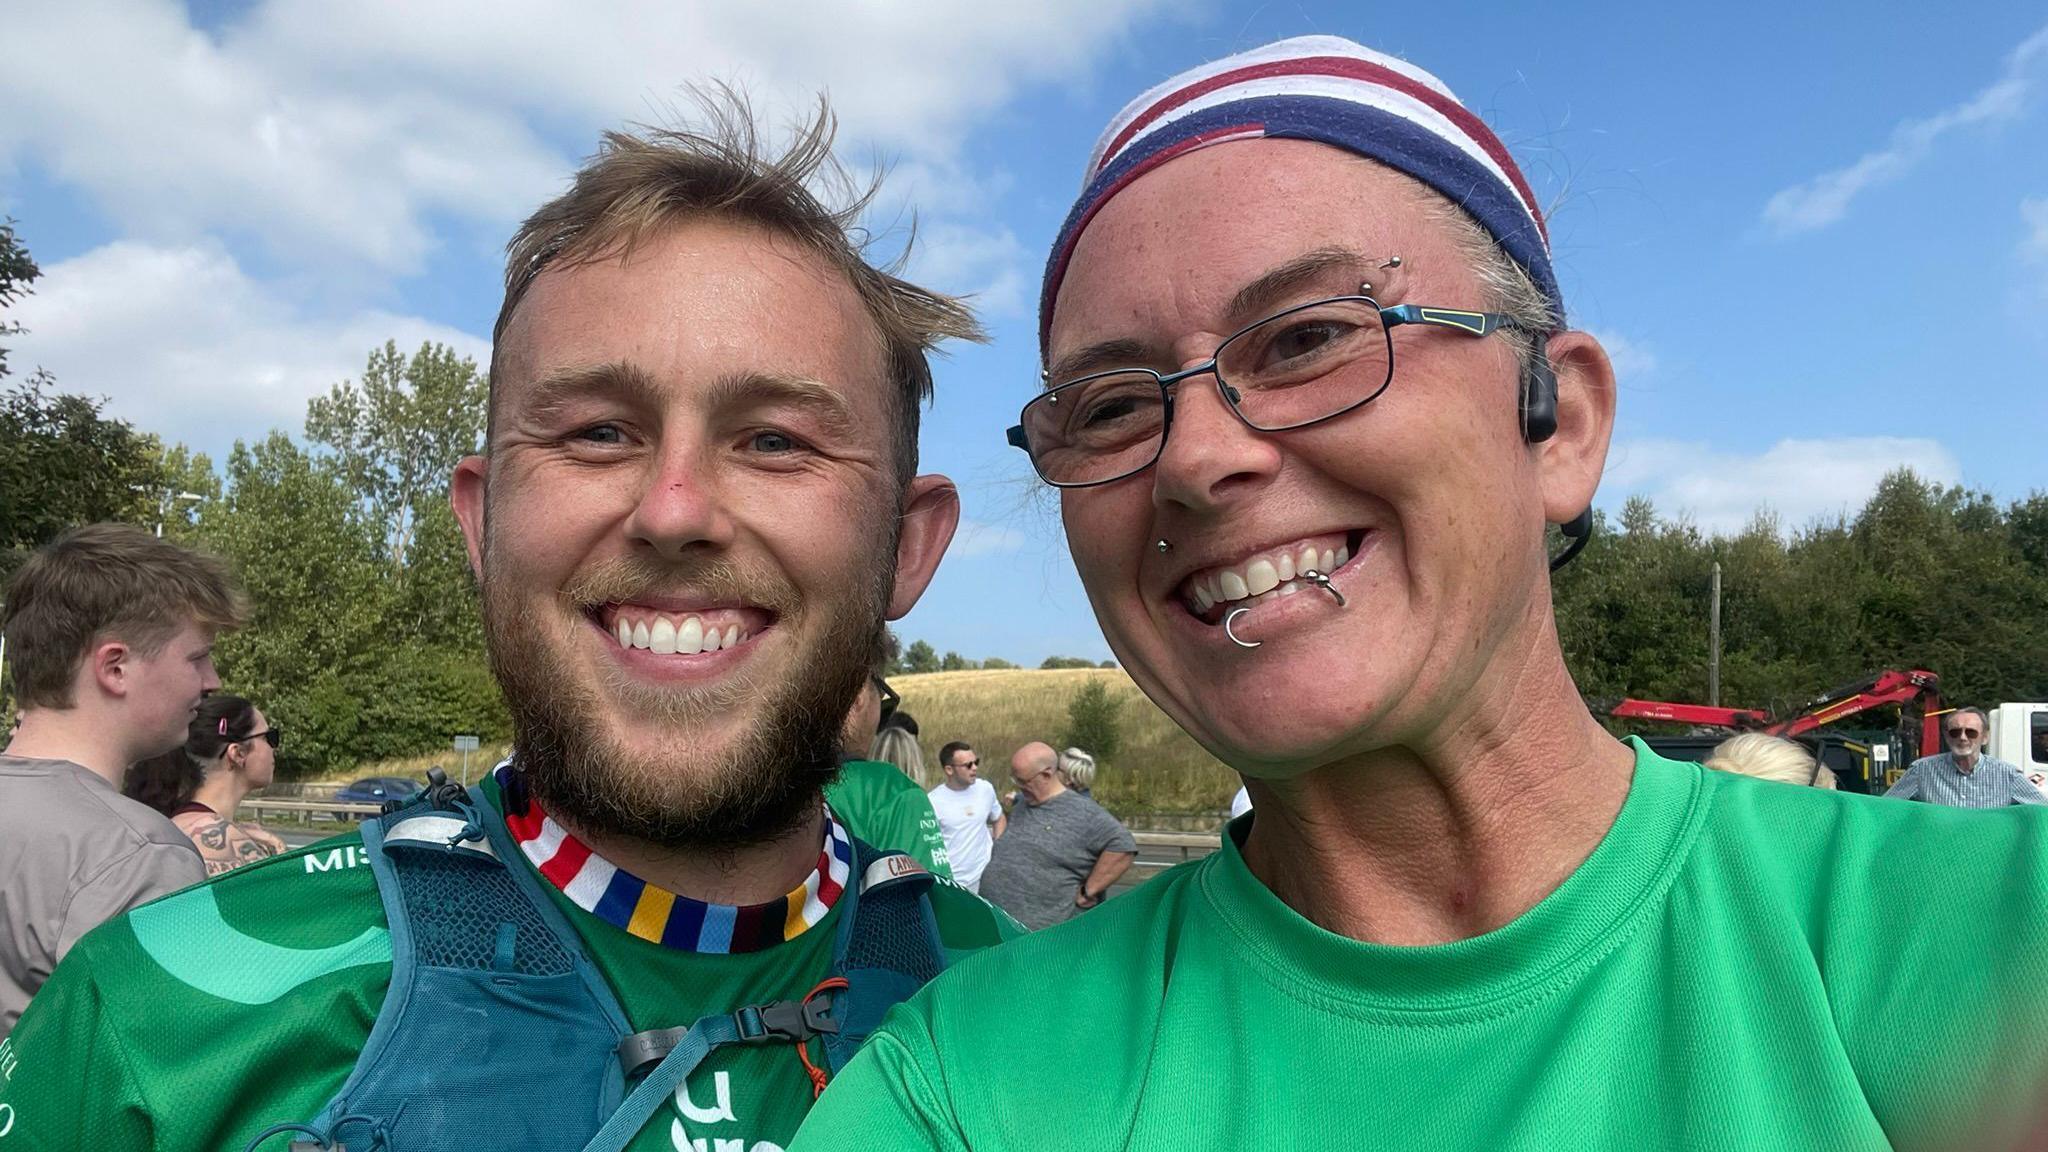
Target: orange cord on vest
x,y
818,1076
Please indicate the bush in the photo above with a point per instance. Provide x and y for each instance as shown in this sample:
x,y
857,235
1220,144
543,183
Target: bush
x,y
1054,663
1092,723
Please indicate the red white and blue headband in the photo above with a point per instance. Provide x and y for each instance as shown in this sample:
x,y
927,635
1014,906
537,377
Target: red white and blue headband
x,y
1332,91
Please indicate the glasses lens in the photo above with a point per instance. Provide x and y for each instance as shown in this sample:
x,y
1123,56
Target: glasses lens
x,y
1970,732
1307,363
272,737
1097,428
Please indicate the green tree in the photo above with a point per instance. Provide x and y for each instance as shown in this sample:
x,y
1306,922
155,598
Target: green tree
x,y
920,657
995,662
395,439
1092,722
18,272
1054,663
63,462
954,662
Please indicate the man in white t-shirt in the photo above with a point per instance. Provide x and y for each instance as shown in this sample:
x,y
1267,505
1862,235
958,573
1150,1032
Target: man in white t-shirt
x,y
969,816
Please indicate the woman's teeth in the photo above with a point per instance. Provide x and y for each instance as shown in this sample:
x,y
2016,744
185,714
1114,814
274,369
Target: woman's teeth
x,y
663,636
1268,576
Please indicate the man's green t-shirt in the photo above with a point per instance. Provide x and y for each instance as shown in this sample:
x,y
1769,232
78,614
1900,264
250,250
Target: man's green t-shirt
x,y
1738,965
887,809
198,1020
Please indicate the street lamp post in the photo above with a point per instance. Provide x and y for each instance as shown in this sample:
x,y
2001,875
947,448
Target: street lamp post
x,y
171,500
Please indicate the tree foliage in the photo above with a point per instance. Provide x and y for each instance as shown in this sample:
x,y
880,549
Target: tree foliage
x,y
1924,577
920,657
1093,722
63,462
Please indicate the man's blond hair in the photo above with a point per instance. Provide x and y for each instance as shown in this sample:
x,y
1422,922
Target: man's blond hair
x,y
640,184
106,582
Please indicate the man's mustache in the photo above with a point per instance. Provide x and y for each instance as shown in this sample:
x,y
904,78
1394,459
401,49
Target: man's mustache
x,y
633,578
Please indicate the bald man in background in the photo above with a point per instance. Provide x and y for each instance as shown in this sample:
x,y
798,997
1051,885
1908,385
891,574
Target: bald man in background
x,y
1062,851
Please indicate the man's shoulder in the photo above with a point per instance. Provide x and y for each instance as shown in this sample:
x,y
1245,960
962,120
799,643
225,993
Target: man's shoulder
x,y
871,778
249,936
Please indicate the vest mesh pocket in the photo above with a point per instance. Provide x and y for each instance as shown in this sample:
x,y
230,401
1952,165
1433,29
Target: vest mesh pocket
x,y
456,905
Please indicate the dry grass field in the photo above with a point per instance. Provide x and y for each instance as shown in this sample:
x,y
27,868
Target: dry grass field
x,y
1159,771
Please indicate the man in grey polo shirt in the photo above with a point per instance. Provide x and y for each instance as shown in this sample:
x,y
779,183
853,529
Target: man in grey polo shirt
x,y
1061,852
110,637
1963,777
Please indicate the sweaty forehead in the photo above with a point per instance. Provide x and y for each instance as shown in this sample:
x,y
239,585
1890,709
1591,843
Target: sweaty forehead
x,y
1169,253
696,300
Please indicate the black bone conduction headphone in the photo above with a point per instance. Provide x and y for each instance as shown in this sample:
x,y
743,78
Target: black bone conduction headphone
x,y
1539,423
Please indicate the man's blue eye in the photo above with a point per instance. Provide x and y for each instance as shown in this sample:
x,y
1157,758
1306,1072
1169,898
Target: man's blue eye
x,y
603,434
772,442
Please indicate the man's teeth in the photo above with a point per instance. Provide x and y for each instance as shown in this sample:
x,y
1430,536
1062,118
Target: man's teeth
x,y
1266,577
664,637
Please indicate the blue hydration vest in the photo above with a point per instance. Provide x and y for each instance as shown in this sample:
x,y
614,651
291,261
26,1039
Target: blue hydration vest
x,y
498,1032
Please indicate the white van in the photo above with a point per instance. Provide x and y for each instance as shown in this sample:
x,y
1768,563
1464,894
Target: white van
x,y
2018,734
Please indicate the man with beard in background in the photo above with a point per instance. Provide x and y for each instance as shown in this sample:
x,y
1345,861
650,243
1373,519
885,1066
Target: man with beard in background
x,y
697,506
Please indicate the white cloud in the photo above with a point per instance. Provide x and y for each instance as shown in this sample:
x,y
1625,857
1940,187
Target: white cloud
x,y
341,131
991,266
1825,199
2034,215
1797,479
976,538
1632,359
186,345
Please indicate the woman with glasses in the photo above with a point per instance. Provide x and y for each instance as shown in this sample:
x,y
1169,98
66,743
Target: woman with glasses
x,y
230,751
1311,402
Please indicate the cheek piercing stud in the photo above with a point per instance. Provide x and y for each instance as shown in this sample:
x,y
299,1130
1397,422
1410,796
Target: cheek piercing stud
x,y
1164,545
1232,619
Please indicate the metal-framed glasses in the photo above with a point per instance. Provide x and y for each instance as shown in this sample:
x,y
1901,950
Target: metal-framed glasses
x,y
1310,363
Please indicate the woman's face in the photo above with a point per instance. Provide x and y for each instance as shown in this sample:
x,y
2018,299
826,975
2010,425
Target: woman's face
x,y
259,760
1425,498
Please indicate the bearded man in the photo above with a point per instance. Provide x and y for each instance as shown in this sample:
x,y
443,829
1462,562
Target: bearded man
x,y
697,504
1310,399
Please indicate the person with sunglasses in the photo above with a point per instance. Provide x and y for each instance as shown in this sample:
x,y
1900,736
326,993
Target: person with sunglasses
x,y
969,817
230,751
1311,402
1963,776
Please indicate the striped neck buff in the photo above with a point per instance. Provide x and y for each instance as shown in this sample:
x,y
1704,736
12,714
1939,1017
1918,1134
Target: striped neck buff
x,y
652,913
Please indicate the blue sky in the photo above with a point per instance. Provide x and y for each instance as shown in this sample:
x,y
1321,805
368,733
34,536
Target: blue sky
x,y
1814,236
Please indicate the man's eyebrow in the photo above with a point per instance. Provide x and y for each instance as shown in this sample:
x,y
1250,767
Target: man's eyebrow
x,y
820,400
1260,296
1251,302
559,387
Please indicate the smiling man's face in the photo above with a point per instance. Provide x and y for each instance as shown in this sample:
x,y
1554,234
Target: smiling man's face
x,y
689,538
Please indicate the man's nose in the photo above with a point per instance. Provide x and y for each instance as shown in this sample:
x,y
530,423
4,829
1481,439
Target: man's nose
x,y
682,503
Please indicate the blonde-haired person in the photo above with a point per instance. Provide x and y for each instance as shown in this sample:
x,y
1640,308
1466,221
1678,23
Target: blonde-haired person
x,y
1769,757
1077,771
895,745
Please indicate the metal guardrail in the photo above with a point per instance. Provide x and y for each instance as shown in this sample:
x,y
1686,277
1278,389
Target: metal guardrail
x,y
336,808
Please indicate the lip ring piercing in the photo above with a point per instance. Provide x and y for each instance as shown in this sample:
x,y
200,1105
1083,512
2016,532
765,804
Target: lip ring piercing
x,y
1164,545
1323,581
1232,619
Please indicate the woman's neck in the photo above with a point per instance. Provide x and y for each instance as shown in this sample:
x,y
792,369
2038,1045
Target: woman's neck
x,y
222,791
1454,833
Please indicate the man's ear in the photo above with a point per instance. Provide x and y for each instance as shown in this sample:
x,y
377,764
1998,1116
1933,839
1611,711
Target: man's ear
x,y
1571,461
466,494
931,512
107,666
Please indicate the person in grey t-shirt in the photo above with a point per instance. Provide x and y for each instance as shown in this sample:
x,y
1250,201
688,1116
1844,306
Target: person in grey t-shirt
x,y
110,639
1062,851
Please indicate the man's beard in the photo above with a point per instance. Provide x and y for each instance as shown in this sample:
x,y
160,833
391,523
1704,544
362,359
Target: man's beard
x,y
763,785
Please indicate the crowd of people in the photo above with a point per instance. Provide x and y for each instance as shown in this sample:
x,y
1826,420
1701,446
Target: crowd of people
x,y
1311,402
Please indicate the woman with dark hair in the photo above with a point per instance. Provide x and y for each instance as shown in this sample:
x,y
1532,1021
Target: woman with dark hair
x,y
230,751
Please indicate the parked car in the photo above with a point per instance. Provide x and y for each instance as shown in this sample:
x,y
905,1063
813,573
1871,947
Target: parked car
x,y
376,790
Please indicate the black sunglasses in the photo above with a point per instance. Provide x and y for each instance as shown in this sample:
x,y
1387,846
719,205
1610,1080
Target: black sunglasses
x,y
889,697
270,736
1972,733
